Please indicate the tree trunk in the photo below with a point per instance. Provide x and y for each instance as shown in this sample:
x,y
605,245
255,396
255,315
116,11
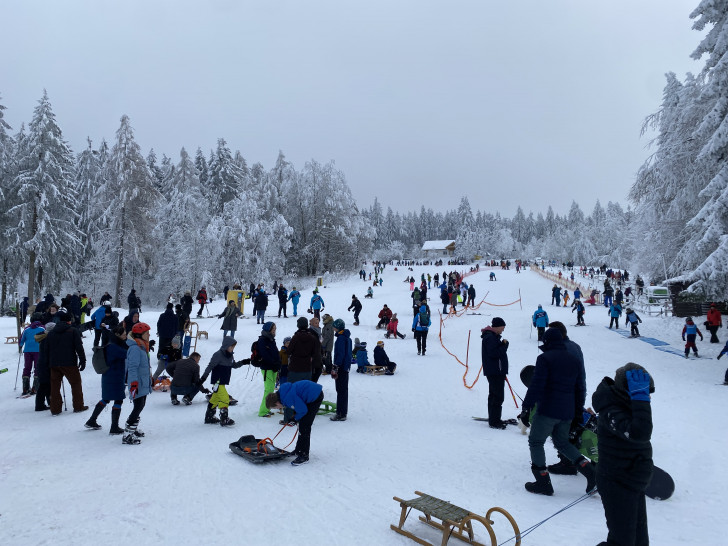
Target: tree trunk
x,y
120,259
40,279
31,277
5,283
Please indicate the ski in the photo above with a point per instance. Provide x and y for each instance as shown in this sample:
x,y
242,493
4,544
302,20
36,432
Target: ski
x,y
25,396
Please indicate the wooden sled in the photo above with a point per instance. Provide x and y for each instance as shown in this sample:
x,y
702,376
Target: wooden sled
x,y
201,334
375,370
454,521
11,339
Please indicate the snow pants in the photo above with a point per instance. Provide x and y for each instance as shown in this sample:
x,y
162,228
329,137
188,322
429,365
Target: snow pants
x,y
421,337
541,428
282,308
633,329
295,308
31,363
496,395
304,426
73,376
220,398
626,514
713,329
269,385
615,321
690,344
342,393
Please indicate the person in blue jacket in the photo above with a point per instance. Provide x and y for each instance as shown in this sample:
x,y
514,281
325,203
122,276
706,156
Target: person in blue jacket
x,y
112,382
139,378
98,317
632,319
293,296
557,388
420,326
305,398
362,358
340,371
31,352
317,304
615,311
540,321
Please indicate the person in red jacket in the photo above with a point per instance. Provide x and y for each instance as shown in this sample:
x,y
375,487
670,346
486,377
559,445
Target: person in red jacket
x,y
385,315
202,300
392,328
715,321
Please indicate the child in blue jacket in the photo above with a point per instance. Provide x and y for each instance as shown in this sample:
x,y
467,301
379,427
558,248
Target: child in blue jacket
x,y
691,330
362,358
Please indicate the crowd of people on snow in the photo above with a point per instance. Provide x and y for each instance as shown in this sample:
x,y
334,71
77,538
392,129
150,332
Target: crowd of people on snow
x,y
554,406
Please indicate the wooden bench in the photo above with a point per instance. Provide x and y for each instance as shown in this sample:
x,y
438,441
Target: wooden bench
x,y
375,370
454,521
201,334
11,339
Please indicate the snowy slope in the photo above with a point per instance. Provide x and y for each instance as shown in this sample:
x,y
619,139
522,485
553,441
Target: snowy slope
x,y
63,484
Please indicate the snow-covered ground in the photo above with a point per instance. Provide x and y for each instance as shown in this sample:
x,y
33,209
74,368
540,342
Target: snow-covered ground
x,y
63,484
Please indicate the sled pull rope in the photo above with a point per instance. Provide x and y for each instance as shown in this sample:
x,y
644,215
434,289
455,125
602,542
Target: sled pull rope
x,y
534,527
276,436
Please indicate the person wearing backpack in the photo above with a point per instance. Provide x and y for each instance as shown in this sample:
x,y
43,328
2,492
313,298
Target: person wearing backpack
x,y
112,381
420,326
270,364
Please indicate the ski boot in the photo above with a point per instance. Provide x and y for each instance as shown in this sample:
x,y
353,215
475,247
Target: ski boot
x,y
210,418
233,401
564,467
585,467
130,437
542,485
225,421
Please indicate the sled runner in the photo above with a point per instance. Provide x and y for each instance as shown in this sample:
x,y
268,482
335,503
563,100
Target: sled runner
x,y
326,408
11,339
455,521
258,451
375,370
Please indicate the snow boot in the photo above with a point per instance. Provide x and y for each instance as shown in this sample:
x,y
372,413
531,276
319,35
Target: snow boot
x,y
115,428
210,418
26,385
585,467
36,384
186,400
130,437
338,417
301,459
542,485
225,421
91,423
175,402
564,467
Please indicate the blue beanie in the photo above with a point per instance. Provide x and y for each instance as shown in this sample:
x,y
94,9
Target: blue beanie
x,y
268,326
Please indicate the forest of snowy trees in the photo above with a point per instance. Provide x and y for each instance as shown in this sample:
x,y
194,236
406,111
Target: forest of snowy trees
x,y
109,217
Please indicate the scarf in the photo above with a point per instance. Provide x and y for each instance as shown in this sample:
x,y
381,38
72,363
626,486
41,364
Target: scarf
x,y
142,344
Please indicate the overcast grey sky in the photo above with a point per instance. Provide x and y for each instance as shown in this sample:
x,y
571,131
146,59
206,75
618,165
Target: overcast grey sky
x,y
530,103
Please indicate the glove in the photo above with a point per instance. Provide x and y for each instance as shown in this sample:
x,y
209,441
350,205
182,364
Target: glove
x,y
413,329
638,385
525,417
152,343
204,390
133,389
334,372
82,366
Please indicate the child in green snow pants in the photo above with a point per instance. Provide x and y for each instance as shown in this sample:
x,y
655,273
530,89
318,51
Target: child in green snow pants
x,y
220,398
269,385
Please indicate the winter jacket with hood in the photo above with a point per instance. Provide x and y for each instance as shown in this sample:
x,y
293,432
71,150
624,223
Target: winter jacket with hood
x,y
342,350
184,372
137,368
540,318
624,430
222,363
301,351
327,332
558,386
27,339
64,346
298,395
167,324
112,382
268,352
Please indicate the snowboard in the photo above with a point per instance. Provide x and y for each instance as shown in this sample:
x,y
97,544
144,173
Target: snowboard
x,y
661,486
526,374
506,421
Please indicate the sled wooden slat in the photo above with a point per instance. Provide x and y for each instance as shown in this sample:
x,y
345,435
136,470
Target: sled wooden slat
x,y
454,520
11,339
376,370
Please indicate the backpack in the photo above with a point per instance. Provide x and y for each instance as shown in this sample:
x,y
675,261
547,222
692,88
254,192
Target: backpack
x,y
98,360
424,318
255,358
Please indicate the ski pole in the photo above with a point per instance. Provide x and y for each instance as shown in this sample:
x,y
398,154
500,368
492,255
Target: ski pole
x,y
17,372
64,395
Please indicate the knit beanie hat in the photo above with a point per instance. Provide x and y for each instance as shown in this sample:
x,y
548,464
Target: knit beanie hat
x,y
497,321
268,326
302,323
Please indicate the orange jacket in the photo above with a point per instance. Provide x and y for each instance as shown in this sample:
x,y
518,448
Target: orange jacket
x,y
715,318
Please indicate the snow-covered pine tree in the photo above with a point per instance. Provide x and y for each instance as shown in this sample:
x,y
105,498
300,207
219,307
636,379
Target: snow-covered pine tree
x,y
7,174
225,177
45,229
86,180
129,203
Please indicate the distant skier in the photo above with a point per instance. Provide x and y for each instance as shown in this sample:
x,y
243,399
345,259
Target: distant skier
x,y
633,318
615,311
540,321
293,296
580,309
715,321
691,331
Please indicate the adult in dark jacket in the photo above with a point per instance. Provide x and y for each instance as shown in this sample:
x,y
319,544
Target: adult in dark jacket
x,y
317,363
230,319
66,359
43,394
445,299
327,342
270,364
471,295
187,303
166,327
624,430
557,388
282,300
340,371
185,379
356,306
75,308
112,382
495,368
183,320
202,300
220,369
261,304
385,315
304,398
130,320
382,359
135,303
301,352
24,309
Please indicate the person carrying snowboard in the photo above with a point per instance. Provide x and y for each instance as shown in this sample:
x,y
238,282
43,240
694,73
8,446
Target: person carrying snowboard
x,y
632,319
691,330
624,430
